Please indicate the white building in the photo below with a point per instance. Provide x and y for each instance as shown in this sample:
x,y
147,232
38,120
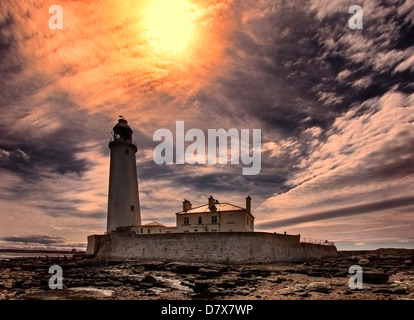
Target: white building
x,y
212,217
215,217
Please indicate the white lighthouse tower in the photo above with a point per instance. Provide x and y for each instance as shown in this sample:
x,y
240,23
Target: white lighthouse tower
x,y
123,199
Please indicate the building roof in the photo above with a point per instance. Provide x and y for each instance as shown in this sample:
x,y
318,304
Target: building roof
x,y
153,224
220,207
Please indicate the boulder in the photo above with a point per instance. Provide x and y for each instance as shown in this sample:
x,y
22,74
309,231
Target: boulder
x,y
27,283
148,279
399,290
152,266
209,272
381,290
285,291
363,262
321,287
183,267
375,277
201,285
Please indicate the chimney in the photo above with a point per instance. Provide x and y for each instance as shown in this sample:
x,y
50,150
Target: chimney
x,y
211,203
186,205
249,204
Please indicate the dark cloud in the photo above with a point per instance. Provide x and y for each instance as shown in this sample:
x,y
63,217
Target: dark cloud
x,y
39,239
338,213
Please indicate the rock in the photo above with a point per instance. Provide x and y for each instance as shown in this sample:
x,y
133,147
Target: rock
x,y
408,262
321,287
399,290
298,288
27,283
314,273
209,272
303,294
278,279
19,292
348,291
363,262
285,291
152,266
326,275
183,268
148,279
243,292
201,285
381,290
207,293
248,272
7,284
375,277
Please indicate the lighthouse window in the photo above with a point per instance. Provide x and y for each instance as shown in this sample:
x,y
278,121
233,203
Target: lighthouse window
x,y
126,151
132,208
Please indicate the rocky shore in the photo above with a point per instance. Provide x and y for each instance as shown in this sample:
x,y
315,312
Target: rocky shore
x,y
388,274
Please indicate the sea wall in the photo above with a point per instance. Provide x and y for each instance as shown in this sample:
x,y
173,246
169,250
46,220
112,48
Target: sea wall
x,y
219,247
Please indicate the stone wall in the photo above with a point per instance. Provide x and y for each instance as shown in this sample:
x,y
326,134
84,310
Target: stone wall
x,y
95,243
220,247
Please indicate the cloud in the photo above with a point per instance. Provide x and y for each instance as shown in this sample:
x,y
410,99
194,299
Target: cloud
x,y
341,212
366,156
359,244
40,239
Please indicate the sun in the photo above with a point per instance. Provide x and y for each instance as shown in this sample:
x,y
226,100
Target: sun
x,y
168,25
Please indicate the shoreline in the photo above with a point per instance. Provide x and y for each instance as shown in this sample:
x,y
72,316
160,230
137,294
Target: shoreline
x,y
388,275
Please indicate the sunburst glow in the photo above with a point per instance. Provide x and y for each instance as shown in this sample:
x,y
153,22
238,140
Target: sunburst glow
x,y
169,25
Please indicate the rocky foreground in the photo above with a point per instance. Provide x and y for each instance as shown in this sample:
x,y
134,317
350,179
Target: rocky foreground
x,y
387,274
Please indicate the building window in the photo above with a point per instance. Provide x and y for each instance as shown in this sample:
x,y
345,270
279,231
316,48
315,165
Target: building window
x,y
213,230
167,231
149,231
132,208
126,151
195,230
186,231
200,220
142,231
186,220
214,219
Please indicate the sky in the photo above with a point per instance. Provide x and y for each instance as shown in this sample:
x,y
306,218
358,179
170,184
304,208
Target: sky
x,y
335,107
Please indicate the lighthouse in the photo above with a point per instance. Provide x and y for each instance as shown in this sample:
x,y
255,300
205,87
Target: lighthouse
x,y
123,199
